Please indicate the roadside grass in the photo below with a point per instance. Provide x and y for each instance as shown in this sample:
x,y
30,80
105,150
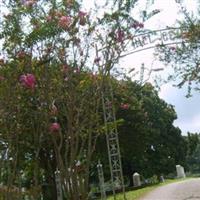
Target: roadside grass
x,y
135,194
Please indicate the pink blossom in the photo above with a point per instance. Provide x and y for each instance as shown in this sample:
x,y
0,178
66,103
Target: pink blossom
x,y
49,18
54,127
120,36
64,22
29,3
124,106
82,16
28,81
136,25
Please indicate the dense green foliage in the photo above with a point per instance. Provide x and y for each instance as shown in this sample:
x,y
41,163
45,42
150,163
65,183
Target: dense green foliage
x,y
56,60
56,56
150,144
193,143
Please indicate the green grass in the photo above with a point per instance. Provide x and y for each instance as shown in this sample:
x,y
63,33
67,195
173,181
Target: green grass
x,y
134,195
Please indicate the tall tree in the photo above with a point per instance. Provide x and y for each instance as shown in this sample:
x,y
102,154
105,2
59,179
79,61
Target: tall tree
x,y
50,95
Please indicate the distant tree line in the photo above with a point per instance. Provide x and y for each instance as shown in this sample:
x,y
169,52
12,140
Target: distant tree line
x,y
193,152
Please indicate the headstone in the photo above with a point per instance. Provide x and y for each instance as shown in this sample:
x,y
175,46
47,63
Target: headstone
x,y
136,180
180,171
162,180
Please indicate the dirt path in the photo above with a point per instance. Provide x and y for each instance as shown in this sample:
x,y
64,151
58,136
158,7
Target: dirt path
x,y
184,190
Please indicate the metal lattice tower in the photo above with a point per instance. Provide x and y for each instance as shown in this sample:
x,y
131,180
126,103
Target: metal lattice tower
x,y
112,139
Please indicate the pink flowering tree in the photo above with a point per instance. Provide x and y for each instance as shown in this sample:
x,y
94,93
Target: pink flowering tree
x,y
55,57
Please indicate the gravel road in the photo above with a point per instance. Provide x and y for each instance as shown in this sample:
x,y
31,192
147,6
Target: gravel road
x,y
184,190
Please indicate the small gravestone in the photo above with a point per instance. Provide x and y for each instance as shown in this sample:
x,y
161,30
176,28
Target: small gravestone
x,y
136,180
180,171
162,180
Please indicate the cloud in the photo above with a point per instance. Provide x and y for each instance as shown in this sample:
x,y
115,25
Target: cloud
x,y
190,125
187,109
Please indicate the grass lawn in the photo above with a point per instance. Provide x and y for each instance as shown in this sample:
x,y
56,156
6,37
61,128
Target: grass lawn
x,y
134,195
